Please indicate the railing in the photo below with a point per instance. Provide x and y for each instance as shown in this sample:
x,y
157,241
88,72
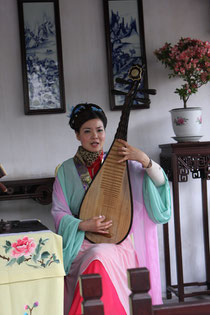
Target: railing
x,y
140,300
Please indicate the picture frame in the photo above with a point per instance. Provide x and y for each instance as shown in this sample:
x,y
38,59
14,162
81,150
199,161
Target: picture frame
x,y
125,45
41,56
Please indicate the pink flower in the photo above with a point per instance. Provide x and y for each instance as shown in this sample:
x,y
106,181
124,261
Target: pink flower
x,y
180,121
188,60
26,307
23,247
204,77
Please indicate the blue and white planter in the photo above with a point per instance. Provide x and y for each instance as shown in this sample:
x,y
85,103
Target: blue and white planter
x,y
187,123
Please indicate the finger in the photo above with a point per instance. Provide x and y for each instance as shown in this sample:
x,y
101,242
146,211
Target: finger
x,y
122,141
105,227
104,231
122,160
122,150
108,227
101,217
94,218
107,224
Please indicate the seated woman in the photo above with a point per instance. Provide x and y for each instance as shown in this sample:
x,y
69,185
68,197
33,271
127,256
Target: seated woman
x,y
151,205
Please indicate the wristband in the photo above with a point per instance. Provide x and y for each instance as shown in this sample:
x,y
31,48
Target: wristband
x,y
149,164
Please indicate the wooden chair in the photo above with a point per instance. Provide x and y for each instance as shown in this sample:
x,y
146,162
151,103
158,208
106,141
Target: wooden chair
x,y
140,301
91,291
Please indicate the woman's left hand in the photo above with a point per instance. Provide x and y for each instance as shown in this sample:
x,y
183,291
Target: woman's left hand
x,y
131,153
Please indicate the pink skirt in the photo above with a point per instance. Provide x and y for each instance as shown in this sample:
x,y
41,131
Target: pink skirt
x,y
111,262
111,302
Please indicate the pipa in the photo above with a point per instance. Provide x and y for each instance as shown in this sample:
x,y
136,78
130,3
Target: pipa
x,y
109,193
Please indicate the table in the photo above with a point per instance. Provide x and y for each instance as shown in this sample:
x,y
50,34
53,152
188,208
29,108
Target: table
x,y
179,160
31,272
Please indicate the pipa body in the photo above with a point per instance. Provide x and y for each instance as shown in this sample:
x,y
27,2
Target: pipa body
x,y
109,193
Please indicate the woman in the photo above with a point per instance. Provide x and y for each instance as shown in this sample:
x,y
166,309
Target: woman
x,y
149,185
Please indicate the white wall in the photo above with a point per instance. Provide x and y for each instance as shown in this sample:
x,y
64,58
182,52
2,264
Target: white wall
x,y
32,146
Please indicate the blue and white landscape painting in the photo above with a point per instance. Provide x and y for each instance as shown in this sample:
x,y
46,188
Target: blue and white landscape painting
x,y
41,56
125,40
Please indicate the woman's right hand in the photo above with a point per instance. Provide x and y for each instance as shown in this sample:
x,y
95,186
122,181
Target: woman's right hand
x,y
96,224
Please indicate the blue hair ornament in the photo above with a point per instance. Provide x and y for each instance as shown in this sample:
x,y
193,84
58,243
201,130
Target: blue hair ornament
x,y
78,109
70,111
95,109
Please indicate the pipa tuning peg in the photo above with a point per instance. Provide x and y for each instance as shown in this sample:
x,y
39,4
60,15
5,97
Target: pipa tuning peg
x,y
142,100
148,91
116,92
122,81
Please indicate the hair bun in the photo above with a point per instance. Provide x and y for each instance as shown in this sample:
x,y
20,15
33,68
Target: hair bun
x,y
84,112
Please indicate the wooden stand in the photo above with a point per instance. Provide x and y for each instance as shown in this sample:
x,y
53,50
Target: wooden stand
x,y
178,160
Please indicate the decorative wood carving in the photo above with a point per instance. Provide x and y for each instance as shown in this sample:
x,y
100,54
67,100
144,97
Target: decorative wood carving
x,y
198,163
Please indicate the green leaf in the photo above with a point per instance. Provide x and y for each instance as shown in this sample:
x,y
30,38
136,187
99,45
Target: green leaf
x,y
44,241
47,263
20,260
55,259
38,249
8,243
11,262
45,255
7,248
35,257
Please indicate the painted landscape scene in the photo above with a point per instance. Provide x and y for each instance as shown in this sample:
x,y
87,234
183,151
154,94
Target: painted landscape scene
x,y
125,41
41,56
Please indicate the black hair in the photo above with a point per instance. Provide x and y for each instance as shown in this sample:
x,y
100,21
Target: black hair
x,y
84,112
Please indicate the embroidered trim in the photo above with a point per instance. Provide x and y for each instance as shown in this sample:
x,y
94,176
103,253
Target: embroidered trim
x,y
25,250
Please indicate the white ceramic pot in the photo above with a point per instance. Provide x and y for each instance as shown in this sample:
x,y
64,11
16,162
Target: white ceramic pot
x,y
187,123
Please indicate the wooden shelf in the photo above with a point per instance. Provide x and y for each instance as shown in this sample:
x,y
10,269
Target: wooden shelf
x,y
39,189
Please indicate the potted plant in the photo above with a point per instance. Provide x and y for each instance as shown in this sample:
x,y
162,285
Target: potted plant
x,y
189,60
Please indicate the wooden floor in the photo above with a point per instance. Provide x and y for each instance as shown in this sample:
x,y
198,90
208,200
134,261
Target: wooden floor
x,y
189,299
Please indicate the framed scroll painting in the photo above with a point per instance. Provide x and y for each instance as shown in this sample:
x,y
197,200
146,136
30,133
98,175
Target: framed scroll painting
x,y
41,53
124,31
